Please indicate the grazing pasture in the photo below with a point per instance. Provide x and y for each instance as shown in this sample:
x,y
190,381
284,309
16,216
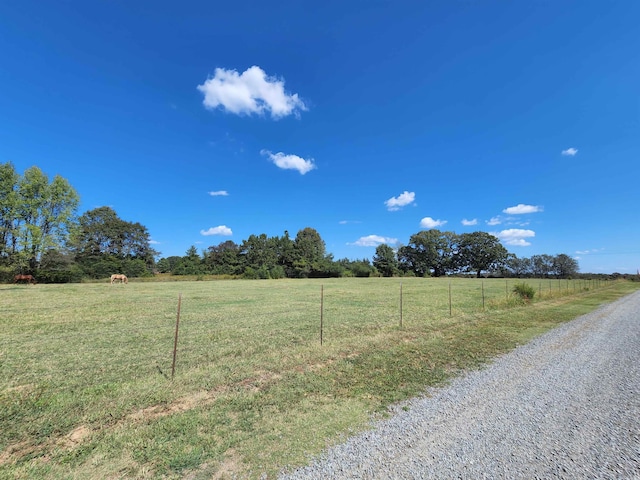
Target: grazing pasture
x,y
85,369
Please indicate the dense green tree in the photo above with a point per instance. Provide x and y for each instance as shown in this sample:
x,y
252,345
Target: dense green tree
x,y
101,232
517,267
565,266
285,251
36,215
163,265
542,265
168,264
480,251
191,264
429,252
308,253
224,259
259,252
354,268
385,260
101,236
9,202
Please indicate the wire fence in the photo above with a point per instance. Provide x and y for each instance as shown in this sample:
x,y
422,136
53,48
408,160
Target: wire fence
x,y
116,335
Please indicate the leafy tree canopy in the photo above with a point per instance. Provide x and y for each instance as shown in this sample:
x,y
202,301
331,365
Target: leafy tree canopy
x,y
35,215
100,233
480,251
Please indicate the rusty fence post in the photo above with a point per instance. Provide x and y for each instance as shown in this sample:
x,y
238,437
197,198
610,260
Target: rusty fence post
x,y
175,342
400,304
321,311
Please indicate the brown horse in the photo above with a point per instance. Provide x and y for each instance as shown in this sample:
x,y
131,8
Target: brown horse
x,y
24,279
119,276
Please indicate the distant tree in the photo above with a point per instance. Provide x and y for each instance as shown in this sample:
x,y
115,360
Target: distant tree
x,y
35,215
101,236
480,251
168,264
58,266
285,252
565,266
385,261
308,253
163,265
9,203
190,264
354,268
224,259
429,252
542,265
259,252
517,267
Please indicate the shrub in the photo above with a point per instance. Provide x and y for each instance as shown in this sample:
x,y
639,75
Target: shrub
x,y
524,291
277,272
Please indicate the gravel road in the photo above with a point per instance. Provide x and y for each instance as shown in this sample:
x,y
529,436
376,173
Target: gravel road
x,y
566,405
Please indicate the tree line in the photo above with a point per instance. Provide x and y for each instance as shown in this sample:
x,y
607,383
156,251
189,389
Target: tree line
x,y
428,253
436,253
41,234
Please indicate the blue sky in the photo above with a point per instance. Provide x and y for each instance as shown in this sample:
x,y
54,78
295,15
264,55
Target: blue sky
x,y
367,120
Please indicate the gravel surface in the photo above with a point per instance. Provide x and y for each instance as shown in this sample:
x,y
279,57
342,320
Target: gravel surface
x,y
566,405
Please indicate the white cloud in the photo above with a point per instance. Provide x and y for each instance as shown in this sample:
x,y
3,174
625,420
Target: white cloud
x,y
587,252
373,241
289,161
154,242
220,230
428,222
251,92
469,222
219,193
494,221
515,236
402,200
522,209
570,152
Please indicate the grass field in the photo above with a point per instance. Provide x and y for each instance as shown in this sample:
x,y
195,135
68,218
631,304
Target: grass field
x,y
86,388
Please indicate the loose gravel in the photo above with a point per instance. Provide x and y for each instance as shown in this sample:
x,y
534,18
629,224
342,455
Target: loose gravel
x,y
566,405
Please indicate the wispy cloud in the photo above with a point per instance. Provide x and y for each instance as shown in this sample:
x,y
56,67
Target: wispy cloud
x,y
428,222
522,209
570,152
219,193
402,200
220,230
587,252
515,236
251,92
373,241
290,162
494,221
468,223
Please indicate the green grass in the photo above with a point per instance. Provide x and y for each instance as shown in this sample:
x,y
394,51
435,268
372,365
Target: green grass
x,y
85,369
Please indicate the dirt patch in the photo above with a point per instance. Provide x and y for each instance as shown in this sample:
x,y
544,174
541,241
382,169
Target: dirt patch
x,y
73,438
229,467
15,451
79,434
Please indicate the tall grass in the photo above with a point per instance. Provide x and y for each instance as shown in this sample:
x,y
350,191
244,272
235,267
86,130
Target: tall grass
x,y
85,369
